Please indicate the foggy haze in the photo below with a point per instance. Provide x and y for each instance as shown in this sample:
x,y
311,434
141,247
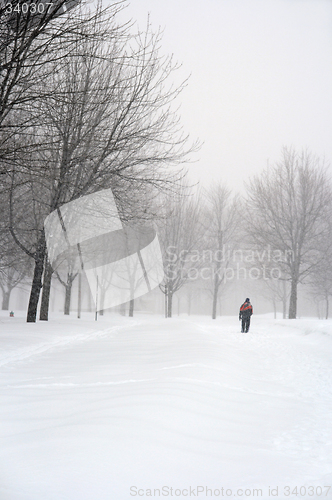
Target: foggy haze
x,y
260,78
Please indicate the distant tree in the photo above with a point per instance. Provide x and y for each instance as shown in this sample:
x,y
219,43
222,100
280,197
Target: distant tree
x,y
15,267
321,279
192,292
222,226
67,282
288,207
275,290
181,233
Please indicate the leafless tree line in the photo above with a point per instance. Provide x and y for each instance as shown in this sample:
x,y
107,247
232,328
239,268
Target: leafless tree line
x,y
86,105
279,234
283,224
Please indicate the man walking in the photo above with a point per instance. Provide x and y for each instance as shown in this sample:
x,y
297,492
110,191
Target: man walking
x,y
245,314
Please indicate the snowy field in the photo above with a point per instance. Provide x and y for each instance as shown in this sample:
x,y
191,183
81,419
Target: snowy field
x,y
151,407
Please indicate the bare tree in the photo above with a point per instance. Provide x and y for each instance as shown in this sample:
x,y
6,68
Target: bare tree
x,y
222,224
15,267
70,273
275,290
192,292
288,207
181,234
321,279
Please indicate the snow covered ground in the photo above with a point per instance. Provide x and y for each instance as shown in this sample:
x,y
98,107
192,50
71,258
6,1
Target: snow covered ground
x,y
148,407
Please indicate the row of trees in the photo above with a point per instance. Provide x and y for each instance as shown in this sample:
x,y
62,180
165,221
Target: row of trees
x,y
194,231
280,232
86,104
279,235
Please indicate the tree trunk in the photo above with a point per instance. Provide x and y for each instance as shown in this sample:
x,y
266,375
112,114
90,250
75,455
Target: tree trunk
x,y
215,298
45,300
215,294
37,281
68,297
284,300
275,309
79,300
293,300
327,307
89,301
189,304
69,286
214,305
5,300
169,304
166,301
131,308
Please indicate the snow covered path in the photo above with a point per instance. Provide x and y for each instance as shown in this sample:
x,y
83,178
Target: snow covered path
x,y
115,409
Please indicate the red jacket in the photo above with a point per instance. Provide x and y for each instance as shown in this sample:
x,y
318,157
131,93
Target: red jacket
x,y
245,310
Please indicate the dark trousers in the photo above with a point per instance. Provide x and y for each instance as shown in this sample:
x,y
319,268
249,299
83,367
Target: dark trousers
x,y
245,324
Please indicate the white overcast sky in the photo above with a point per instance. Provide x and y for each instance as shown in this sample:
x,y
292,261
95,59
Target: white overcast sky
x,y
261,78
